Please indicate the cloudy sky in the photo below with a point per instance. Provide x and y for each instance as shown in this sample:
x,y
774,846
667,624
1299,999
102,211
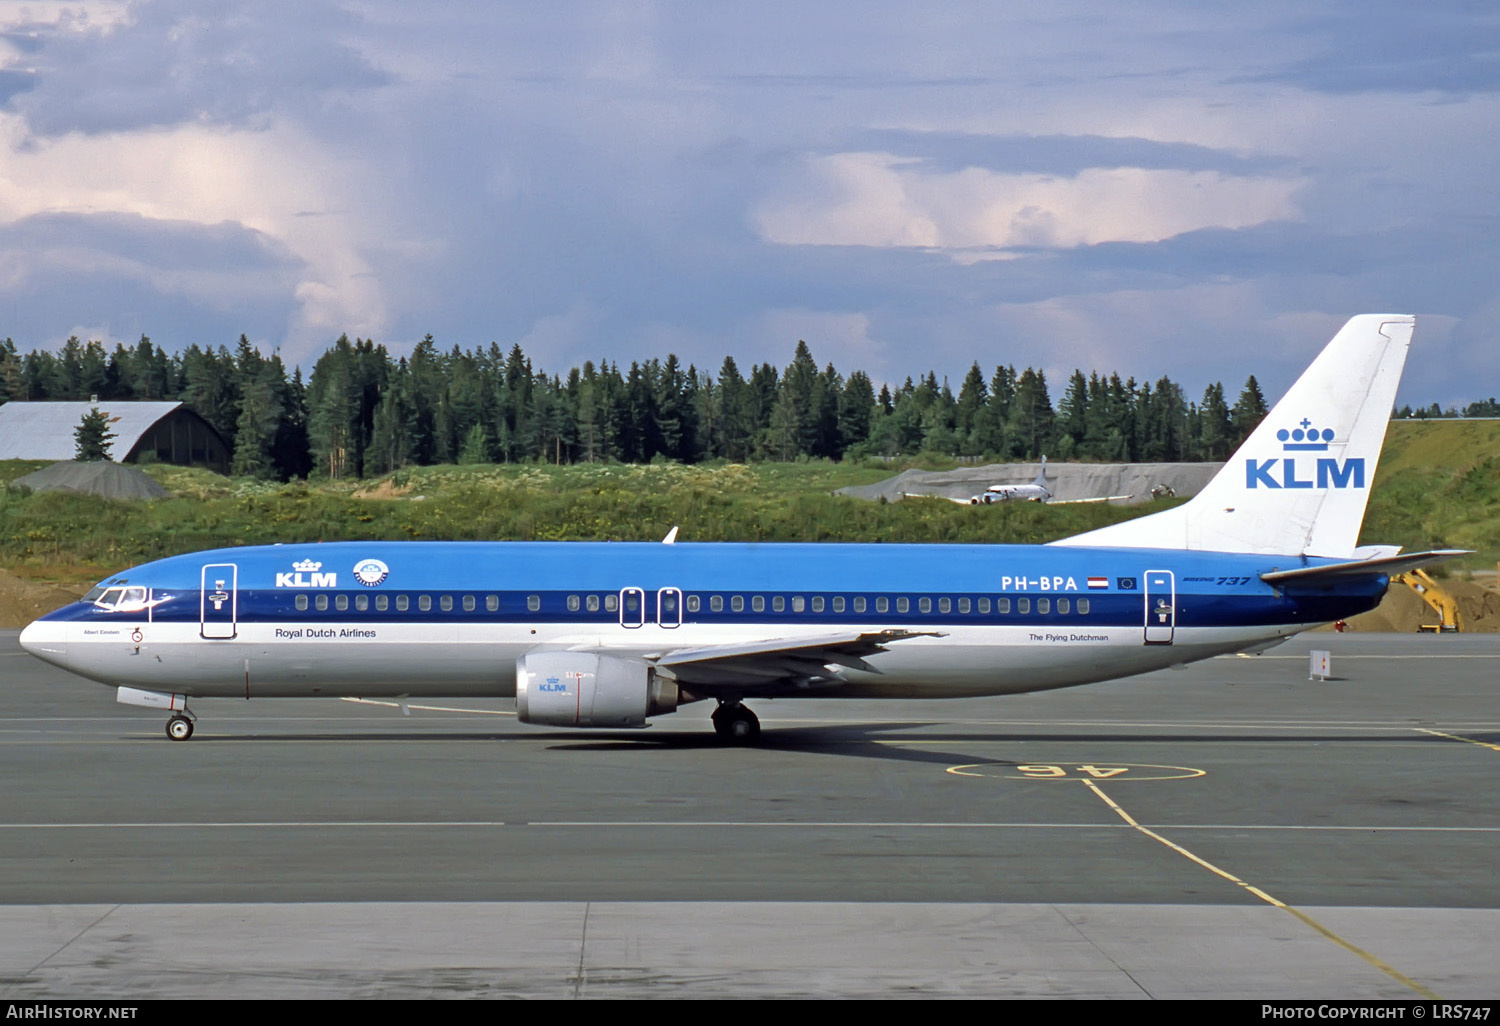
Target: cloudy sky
x,y
1154,187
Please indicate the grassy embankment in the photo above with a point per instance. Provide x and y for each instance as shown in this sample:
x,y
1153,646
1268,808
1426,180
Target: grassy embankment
x,y
67,538
1438,485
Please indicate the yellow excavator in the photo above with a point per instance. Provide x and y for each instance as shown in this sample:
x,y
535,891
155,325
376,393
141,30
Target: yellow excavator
x,y
1435,596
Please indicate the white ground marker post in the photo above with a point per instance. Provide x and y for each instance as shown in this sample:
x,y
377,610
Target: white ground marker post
x,y
1321,664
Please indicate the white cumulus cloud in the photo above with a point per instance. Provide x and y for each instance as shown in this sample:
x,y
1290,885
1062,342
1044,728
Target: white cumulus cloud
x,y
877,199
278,183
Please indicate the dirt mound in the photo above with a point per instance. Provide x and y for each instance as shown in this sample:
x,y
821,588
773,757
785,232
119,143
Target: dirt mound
x,y
385,488
111,480
22,601
1404,611
1067,481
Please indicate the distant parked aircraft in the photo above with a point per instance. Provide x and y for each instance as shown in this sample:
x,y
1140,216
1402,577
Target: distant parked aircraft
x,y
1036,491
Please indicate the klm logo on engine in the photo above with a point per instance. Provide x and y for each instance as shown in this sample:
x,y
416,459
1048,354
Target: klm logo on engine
x,y
305,574
1305,471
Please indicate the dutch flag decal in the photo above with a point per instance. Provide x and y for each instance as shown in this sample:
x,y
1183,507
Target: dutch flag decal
x,y
1098,582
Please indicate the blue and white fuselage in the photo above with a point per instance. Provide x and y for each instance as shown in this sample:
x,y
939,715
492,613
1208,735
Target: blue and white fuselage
x,y
452,618
611,634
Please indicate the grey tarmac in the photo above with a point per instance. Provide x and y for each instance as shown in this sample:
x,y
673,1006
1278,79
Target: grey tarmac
x,y
1229,829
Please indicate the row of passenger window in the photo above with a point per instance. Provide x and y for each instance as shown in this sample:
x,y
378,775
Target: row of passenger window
x,y
880,604
857,604
401,603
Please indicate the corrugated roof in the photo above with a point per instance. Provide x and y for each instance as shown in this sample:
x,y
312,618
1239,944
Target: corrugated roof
x,y
44,431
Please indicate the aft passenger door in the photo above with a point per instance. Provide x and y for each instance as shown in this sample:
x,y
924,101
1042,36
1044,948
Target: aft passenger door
x,y
669,607
218,601
1161,607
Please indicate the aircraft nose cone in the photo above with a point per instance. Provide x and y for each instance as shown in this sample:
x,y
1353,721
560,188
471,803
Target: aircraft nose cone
x,y
46,640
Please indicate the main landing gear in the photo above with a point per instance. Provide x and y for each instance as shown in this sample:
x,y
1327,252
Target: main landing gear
x,y
735,724
179,728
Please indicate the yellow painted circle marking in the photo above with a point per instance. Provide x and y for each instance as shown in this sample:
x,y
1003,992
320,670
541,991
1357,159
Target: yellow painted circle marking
x,y
1111,771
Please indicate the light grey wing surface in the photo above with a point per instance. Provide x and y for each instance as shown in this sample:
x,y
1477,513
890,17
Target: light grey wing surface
x,y
775,664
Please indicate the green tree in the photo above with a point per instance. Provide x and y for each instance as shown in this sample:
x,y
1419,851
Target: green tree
x,y
762,392
972,399
260,416
260,412
670,410
992,424
1031,417
1073,412
794,416
12,373
1248,411
390,445
476,448
1215,428
856,411
735,431
824,410
93,437
334,399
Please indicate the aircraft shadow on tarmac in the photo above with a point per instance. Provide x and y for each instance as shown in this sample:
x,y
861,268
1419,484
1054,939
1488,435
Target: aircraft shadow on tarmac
x,y
887,741
845,741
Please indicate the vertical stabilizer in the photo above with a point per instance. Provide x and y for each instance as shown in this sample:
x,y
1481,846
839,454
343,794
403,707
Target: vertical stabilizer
x,y
1041,477
1300,483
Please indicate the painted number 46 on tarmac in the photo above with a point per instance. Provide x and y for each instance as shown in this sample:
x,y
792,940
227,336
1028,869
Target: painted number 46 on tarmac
x,y
1097,772
1074,771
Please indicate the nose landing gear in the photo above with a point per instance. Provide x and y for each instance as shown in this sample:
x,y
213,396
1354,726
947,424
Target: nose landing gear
x,y
179,728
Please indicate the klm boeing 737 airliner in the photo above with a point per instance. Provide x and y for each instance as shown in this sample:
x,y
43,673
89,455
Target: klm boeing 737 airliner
x,y
611,634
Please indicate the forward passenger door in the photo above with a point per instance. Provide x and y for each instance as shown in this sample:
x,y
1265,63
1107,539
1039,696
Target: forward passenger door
x,y
218,601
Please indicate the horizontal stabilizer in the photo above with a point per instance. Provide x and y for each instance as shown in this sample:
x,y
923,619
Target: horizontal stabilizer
x,y
1384,566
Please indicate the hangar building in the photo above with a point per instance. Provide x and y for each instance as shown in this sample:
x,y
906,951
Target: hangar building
x,y
159,432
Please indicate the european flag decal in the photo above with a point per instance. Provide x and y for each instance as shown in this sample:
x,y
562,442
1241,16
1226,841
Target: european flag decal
x,y
1125,583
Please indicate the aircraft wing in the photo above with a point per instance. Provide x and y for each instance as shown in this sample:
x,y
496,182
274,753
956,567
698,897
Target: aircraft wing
x,y
774,664
1381,566
999,497
1096,498
928,495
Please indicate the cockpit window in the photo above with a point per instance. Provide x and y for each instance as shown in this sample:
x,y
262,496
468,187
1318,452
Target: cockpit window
x,y
120,600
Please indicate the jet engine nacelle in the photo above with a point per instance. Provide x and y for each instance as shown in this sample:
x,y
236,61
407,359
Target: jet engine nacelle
x,y
585,689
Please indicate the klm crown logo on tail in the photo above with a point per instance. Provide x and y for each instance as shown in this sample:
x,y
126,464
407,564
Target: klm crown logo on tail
x,y
1304,471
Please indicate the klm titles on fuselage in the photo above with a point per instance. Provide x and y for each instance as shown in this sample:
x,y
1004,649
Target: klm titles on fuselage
x,y
1305,472
306,575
